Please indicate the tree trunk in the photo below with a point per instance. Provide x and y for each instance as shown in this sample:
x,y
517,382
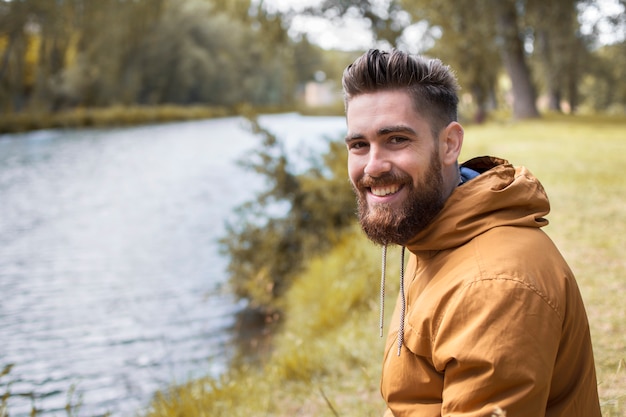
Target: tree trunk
x,y
550,69
572,90
480,97
512,53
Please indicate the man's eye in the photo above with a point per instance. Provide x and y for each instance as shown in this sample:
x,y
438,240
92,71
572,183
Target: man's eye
x,y
357,145
397,139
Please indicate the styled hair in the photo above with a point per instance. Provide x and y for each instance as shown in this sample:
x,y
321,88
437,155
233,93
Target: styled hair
x,y
431,84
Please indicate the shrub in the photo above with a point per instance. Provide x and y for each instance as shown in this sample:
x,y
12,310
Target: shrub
x,y
297,216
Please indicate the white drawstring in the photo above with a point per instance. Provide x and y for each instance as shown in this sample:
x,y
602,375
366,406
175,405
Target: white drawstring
x,y
402,298
403,305
382,291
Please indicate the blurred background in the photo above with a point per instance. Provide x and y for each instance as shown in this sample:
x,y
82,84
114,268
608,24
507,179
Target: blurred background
x,y
67,54
168,167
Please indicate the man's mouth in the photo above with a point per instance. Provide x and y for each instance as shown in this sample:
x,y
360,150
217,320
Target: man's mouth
x,y
386,190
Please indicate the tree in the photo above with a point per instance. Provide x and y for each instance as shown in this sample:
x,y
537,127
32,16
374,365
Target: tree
x,y
107,52
14,45
308,59
184,58
604,86
100,76
513,57
387,18
30,27
468,47
501,27
558,47
76,61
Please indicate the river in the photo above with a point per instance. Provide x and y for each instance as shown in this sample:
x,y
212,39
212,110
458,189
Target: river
x,y
111,281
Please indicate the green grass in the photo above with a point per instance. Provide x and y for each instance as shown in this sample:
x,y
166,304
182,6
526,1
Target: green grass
x,y
327,355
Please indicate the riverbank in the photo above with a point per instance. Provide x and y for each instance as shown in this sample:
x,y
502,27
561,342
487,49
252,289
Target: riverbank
x,y
326,356
112,283
117,116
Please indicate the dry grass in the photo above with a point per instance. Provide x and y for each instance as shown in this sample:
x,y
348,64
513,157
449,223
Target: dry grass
x,y
132,115
580,161
327,356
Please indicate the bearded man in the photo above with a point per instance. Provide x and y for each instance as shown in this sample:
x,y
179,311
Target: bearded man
x,y
489,318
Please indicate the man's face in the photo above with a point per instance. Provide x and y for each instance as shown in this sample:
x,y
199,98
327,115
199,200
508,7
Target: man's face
x,y
394,166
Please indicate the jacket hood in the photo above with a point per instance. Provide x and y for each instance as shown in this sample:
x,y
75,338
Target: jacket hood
x,y
502,195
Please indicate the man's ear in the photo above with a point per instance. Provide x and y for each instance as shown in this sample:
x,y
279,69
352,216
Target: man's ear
x,y
451,142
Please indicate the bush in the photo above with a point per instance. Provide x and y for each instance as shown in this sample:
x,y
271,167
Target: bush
x,y
296,217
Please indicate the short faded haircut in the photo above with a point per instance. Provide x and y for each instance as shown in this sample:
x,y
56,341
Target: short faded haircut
x,y
431,84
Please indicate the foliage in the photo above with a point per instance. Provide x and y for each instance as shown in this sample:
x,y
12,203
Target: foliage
x,y
466,46
559,49
387,19
55,55
604,85
540,45
327,356
188,59
299,215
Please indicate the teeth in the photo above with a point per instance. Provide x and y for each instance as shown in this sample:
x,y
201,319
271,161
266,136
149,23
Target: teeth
x,y
383,191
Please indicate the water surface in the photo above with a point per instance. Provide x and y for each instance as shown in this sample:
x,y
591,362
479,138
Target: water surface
x,y
111,282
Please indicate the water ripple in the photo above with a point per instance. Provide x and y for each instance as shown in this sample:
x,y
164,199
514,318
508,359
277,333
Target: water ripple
x,y
110,276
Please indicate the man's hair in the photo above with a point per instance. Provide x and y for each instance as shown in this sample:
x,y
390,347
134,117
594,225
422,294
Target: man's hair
x,y
431,84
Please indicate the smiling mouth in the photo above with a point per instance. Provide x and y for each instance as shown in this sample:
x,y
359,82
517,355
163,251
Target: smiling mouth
x,y
384,191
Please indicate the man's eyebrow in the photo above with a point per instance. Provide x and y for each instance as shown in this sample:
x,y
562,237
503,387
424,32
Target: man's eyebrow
x,y
354,136
384,131
396,129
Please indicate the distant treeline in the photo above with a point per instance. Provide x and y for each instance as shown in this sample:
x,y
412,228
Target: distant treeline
x,y
80,54
570,53
59,55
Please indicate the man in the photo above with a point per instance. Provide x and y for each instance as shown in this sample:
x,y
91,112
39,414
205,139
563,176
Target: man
x,y
489,320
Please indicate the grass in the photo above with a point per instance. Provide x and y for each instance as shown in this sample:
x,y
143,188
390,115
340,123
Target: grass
x,y
133,115
327,354
580,160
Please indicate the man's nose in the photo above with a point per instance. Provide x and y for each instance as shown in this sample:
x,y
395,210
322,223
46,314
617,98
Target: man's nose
x,y
378,163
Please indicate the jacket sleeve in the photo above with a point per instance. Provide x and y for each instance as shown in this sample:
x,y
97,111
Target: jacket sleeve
x,y
496,346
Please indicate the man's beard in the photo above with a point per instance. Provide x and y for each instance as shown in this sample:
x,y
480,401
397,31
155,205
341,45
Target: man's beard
x,y
384,224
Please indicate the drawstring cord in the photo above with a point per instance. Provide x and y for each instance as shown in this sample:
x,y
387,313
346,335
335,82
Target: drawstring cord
x,y
382,291
402,298
403,305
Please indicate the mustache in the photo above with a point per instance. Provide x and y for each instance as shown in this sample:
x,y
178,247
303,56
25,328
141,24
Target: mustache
x,y
367,181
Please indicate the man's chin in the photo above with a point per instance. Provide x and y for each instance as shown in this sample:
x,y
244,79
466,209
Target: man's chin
x,y
380,237
388,227
379,229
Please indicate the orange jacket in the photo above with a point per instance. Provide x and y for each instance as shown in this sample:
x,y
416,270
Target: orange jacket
x,y
494,318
